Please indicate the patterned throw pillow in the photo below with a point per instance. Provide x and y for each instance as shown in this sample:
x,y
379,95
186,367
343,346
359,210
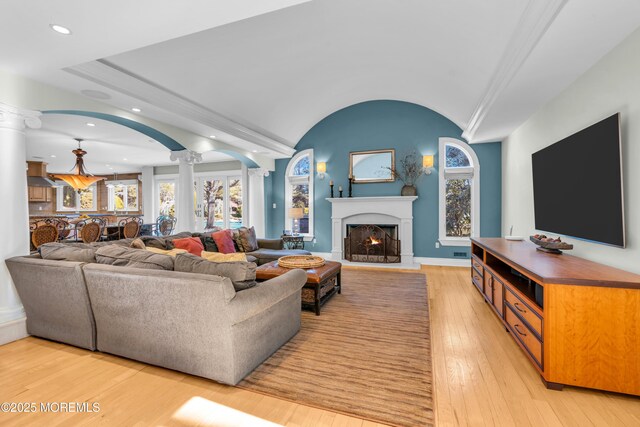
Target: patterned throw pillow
x,y
224,241
247,239
218,257
235,235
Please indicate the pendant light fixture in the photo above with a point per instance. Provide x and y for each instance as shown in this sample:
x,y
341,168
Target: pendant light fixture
x,y
81,179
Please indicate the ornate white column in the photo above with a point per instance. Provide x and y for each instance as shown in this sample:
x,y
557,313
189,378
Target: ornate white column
x,y
14,216
256,200
184,204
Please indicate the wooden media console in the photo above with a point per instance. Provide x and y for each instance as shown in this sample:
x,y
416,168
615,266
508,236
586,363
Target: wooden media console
x,y
577,321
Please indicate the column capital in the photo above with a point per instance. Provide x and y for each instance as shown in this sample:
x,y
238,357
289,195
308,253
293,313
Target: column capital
x,y
186,156
258,172
18,118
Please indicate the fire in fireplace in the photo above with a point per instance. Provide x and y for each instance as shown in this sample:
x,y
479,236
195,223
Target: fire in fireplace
x,y
375,243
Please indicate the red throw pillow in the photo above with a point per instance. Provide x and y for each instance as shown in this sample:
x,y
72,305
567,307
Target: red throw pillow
x,y
191,244
224,241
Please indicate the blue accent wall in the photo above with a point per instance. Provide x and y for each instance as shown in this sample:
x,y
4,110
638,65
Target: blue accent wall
x,y
377,125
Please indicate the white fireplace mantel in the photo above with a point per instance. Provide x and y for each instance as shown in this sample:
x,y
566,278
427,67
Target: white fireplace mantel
x,y
373,210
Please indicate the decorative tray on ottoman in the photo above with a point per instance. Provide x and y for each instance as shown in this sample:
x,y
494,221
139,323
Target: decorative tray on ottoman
x,y
552,247
300,261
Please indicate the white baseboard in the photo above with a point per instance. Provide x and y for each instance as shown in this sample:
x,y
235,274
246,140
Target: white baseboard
x,y
325,255
444,262
417,261
13,330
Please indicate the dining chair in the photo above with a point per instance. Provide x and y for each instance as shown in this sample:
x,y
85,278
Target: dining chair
x,y
90,230
44,233
63,229
165,225
130,227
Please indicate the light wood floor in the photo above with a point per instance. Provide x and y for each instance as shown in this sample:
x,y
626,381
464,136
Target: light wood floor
x,y
481,378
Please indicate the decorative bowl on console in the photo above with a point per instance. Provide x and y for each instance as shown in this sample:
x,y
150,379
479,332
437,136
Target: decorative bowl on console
x,y
550,245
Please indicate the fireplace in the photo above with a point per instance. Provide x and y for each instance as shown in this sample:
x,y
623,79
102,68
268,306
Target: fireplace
x,y
373,243
396,210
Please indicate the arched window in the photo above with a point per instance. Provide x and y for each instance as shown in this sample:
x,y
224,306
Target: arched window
x,y
459,198
299,194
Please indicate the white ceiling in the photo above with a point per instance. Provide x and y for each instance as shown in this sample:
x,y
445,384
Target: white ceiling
x,y
278,67
107,145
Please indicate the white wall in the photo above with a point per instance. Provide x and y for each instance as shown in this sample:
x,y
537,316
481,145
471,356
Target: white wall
x,y
610,86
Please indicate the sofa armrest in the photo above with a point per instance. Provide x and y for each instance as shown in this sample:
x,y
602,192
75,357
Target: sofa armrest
x,y
264,295
270,243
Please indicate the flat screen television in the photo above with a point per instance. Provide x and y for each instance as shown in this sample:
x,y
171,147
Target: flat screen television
x,y
577,185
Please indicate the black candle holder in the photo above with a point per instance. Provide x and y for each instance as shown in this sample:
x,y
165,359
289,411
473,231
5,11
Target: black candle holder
x,y
331,187
340,191
350,187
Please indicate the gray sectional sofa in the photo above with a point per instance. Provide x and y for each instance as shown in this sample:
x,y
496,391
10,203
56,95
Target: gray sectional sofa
x,y
194,323
268,249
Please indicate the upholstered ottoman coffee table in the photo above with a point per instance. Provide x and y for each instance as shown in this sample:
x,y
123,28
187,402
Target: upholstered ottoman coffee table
x,y
322,282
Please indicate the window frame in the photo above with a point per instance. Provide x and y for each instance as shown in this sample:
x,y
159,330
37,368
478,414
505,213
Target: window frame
x,y
291,181
225,176
111,194
60,207
156,195
468,172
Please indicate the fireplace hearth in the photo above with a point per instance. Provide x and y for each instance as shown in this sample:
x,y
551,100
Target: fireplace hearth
x,y
372,243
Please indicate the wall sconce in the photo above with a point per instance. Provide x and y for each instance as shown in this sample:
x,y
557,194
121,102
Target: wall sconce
x,y
427,164
321,167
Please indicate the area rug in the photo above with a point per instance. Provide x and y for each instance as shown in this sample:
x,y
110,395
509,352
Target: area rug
x,y
367,355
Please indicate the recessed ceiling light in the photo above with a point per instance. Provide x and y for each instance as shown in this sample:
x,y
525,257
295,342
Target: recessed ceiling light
x,y
255,151
107,165
53,155
60,29
212,136
136,110
91,124
125,159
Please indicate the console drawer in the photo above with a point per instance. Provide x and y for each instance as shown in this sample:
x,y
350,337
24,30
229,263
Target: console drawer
x,y
523,310
476,264
476,278
524,336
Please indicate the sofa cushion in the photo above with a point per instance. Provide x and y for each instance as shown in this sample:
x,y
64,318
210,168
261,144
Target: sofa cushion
x,y
242,274
192,244
207,241
247,239
171,252
224,242
66,252
168,240
218,257
154,242
137,244
251,258
267,255
235,236
127,257
209,244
